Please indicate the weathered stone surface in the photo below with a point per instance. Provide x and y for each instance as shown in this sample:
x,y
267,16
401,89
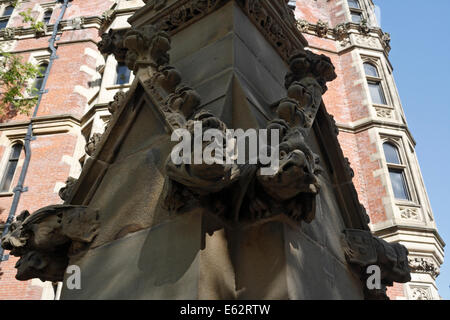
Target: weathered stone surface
x,y
45,240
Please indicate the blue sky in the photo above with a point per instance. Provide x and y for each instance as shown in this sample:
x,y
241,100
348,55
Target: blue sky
x,y
421,59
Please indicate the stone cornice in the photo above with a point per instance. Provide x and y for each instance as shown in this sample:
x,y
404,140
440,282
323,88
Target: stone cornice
x,y
17,33
272,18
343,31
42,122
368,123
395,230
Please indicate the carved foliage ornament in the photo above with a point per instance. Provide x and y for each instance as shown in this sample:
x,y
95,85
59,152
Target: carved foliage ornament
x,y
261,15
187,11
364,26
341,31
420,293
45,240
147,46
156,4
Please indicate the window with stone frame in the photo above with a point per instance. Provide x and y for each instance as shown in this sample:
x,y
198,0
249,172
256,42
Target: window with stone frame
x,y
47,16
122,74
397,172
5,16
11,166
39,81
356,11
375,84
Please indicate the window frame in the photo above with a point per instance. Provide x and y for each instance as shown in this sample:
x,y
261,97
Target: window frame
x,y
33,85
6,166
356,11
48,10
404,166
380,80
6,18
116,80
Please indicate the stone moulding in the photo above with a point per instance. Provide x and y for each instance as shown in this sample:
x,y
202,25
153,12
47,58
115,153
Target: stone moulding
x,y
274,19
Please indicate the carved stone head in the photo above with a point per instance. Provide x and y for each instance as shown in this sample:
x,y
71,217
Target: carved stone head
x,y
45,239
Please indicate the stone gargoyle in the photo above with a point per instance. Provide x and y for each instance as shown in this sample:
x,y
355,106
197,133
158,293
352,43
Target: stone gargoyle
x,y
46,239
362,249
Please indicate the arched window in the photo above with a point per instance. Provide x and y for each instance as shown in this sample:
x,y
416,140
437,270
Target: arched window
x,y
38,82
371,70
355,11
47,16
4,19
396,171
11,167
123,74
374,81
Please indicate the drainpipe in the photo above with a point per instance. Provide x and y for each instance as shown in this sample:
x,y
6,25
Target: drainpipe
x,y
19,189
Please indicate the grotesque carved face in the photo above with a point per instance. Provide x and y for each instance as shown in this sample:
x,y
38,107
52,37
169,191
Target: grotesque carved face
x,y
293,177
46,267
307,92
45,239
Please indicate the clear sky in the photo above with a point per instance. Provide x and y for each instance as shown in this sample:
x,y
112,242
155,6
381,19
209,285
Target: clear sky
x,y
421,59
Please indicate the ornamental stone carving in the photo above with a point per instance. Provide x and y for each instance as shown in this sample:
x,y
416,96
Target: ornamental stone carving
x,y
291,189
322,28
147,46
362,250
384,113
386,38
420,293
424,265
340,31
92,144
45,240
367,41
137,47
364,26
302,25
409,213
77,23
114,105
184,13
269,25
9,33
64,193
156,4
112,43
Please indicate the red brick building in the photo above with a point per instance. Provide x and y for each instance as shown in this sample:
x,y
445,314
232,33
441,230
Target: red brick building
x,y
363,99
